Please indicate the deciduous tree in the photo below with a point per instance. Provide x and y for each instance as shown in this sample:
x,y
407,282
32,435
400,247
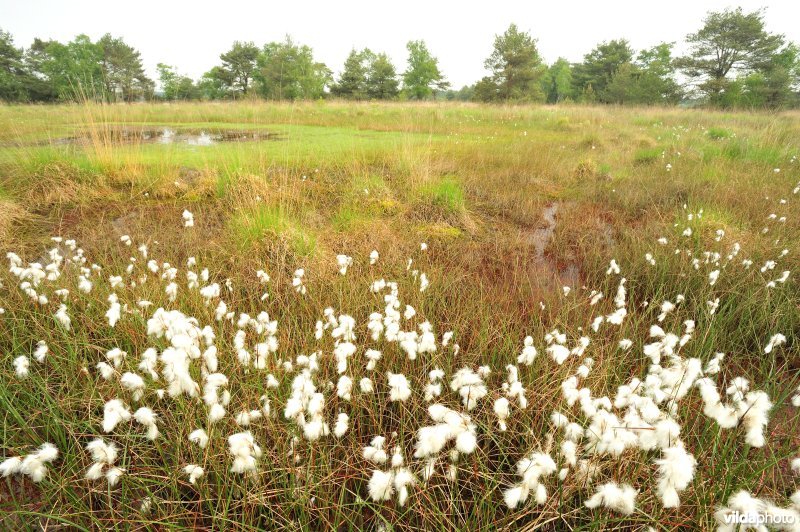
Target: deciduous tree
x,y
175,86
422,78
12,70
557,81
288,71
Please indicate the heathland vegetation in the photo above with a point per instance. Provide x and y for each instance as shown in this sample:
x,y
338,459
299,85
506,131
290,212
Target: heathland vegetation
x,y
349,315
732,62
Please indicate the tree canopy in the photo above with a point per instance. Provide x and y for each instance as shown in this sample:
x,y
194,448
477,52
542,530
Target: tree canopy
x,y
557,82
600,65
174,86
730,41
516,68
108,69
239,66
422,78
288,71
367,75
13,71
732,61
352,83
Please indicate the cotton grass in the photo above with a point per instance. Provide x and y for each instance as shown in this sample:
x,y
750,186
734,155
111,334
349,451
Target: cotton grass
x,y
262,391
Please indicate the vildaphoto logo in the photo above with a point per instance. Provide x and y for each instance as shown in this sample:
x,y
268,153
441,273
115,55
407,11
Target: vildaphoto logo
x,y
755,518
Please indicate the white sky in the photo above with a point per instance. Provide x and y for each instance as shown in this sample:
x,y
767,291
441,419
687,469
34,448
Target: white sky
x,y
191,35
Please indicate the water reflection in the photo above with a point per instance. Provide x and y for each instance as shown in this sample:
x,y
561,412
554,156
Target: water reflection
x,y
164,135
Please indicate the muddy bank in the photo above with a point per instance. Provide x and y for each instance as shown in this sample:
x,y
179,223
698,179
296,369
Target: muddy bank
x,y
544,266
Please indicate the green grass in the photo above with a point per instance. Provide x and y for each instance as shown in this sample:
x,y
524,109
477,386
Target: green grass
x,y
446,194
649,155
719,133
252,226
349,217
737,149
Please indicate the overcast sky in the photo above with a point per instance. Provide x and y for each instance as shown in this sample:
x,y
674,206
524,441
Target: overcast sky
x,y
191,35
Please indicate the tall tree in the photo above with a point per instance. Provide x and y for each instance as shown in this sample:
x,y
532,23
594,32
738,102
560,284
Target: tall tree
x,y
174,86
108,69
623,86
782,78
288,71
72,70
729,42
382,78
240,65
215,84
647,81
557,82
656,82
13,71
422,78
773,86
122,70
600,65
352,82
485,90
516,66
168,78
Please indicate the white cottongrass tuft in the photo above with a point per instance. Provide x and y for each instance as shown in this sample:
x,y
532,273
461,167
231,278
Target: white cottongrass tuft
x,y
114,412
381,485
33,465
133,383
775,341
502,411
245,452
188,219
103,455
298,281
675,471
114,310
146,417
343,262
63,317
21,366
200,437
532,469
528,354
342,423
611,495
451,426
470,387
399,389
375,451
195,472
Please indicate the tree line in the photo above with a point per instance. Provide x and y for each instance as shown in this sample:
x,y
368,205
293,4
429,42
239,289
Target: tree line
x,y
732,61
